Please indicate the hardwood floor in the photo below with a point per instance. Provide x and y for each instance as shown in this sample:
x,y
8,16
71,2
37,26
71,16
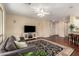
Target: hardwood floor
x,y
65,42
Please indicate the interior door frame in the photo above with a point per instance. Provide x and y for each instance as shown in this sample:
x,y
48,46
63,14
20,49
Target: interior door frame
x,y
3,22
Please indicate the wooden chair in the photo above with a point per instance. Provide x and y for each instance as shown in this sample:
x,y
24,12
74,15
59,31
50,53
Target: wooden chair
x,y
76,41
74,38
70,37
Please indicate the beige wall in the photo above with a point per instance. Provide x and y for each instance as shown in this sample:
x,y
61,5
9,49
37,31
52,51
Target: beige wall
x,y
44,28
15,25
60,28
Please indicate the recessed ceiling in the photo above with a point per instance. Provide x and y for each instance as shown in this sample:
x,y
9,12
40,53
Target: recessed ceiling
x,y
56,11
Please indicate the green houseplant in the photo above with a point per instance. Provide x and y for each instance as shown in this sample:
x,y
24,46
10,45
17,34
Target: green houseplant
x,y
72,27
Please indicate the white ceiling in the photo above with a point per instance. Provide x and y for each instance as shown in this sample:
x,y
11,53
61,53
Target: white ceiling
x,y
57,10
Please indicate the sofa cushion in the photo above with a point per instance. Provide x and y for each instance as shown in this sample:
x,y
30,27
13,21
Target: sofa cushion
x,y
10,45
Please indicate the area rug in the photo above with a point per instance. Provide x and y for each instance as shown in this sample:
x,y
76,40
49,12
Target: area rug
x,y
58,49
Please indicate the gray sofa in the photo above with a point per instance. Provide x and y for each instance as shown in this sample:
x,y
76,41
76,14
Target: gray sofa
x,y
8,48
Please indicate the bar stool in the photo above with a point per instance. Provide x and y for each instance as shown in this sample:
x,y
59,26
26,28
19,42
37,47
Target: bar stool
x,y
70,38
76,41
74,38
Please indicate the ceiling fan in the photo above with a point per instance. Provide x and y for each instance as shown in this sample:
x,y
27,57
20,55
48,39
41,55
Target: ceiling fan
x,y
40,11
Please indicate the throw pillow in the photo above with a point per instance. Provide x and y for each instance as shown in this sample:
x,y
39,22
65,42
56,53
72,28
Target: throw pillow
x,y
20,44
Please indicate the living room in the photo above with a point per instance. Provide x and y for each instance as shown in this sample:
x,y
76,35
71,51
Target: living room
x,y
50,22
16,27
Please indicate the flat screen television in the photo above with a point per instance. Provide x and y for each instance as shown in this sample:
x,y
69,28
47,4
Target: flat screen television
x,y
29,29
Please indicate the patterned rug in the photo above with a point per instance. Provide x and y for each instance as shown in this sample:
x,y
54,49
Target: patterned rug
x,y
52,48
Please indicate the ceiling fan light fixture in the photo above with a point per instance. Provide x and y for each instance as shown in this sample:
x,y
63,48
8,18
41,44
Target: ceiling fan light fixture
x,y
41,12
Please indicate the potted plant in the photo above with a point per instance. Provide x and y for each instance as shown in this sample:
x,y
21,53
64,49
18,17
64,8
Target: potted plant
x,y
72,27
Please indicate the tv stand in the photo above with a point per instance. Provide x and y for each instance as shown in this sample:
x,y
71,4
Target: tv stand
x,y
28,36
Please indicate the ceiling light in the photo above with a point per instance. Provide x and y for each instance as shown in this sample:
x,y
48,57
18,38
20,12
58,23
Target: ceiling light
x,y
40,11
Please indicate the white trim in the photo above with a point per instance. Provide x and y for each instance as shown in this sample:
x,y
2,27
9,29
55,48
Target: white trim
x,y
3,17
